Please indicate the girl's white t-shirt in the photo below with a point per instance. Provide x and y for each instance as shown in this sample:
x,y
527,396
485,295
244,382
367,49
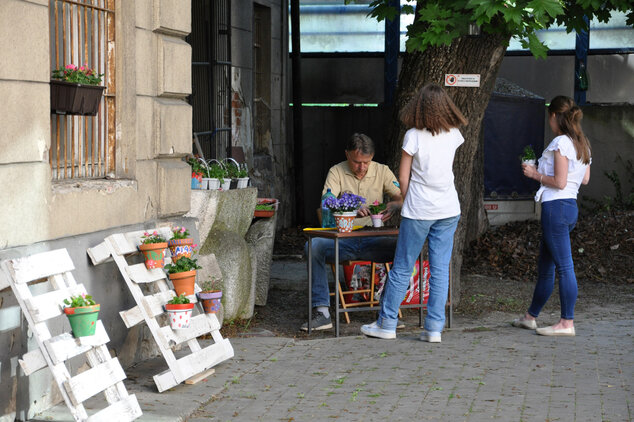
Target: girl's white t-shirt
x,y
546,166
431,194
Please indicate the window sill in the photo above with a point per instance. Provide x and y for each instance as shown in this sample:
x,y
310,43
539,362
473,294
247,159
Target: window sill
x,y
83,185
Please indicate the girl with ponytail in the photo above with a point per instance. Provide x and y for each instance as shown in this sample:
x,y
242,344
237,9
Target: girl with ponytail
x,y
563,167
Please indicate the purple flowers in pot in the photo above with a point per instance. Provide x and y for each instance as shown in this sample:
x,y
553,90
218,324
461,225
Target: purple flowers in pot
x,y
346,203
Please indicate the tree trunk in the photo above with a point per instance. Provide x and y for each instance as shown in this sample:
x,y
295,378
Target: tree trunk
x,y
480,55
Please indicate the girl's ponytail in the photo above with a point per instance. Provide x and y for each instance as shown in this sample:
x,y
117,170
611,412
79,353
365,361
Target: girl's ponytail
x,y
568,116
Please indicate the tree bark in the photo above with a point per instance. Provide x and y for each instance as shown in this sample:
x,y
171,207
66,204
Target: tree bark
x,y
475,55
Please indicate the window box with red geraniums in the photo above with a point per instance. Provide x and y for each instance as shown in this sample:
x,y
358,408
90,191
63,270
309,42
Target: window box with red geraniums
x,y
153,246
181,245
76,90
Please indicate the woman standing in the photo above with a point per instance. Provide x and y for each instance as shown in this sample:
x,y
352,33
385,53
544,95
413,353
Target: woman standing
x,y
431,209
563,167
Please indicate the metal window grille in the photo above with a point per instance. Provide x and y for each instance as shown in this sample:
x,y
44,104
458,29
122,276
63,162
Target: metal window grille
x,y
262,83
83,32
211,76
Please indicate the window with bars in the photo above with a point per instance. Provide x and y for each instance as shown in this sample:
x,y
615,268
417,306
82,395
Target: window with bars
x,y
211,76
83,33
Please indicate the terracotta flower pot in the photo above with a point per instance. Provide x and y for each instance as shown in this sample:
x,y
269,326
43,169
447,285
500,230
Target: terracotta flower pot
x,y
184,282
180,315
83,319
210,301
153,253
345,221
180,248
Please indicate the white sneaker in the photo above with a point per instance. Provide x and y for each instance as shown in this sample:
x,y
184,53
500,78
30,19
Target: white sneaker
x,y
373,330
430,336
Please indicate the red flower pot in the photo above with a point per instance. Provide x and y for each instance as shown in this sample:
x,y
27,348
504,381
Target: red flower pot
x,y
183,282
153,253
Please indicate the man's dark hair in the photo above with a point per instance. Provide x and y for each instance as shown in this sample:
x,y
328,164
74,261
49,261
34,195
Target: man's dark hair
x,y
360,142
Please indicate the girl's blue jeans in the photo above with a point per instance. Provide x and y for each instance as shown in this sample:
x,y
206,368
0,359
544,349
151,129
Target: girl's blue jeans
x,y
411,238
558,220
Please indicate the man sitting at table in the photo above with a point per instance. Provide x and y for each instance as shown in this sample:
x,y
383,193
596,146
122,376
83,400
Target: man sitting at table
x,y
361,176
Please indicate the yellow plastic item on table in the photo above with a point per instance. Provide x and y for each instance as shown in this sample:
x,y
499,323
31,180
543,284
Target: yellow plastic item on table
x,y
329,228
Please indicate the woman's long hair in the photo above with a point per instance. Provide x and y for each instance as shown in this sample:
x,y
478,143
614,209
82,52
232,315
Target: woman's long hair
x,y
568,117
432,109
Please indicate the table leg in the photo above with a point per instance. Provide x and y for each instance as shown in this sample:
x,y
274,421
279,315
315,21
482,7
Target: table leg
x,y
337,287
310,282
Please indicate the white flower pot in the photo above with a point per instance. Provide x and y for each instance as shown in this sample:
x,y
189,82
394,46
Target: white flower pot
x,y
377,220
226,185
529,162
214,184
242,182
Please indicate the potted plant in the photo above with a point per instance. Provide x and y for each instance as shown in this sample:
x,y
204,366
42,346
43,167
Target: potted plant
x,y
528,156
344,209
197,173
152,246
82,313
179,310
181,245
216,175
265,207
182,273
376,213
210,295
242,175
76,90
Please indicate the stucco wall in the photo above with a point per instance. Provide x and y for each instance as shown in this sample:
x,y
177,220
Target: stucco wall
x,y
153,125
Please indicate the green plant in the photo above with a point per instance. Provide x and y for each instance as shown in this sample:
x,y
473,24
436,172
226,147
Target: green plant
x,y
376,208
265,207
528,153
216,171
182,265
211,285
80,301
154,237
178,300
78,75
197,168
179,233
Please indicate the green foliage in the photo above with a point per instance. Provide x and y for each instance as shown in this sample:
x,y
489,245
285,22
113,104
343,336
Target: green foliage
x,y
265,207
216,171
196,165
237,170
211,284
439,22
180,232
78,75
178,300
183,264
528,154
376,208
79,301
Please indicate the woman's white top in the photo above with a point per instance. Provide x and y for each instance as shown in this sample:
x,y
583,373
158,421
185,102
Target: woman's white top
x,y
546,166
431,194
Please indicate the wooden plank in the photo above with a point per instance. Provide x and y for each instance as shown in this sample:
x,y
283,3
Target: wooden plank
x,y
41,265
139,274
122,411
121,245
193,364
199,377
93,381
64,346
50,305
99,254
199,325
32,362
132,317
153,305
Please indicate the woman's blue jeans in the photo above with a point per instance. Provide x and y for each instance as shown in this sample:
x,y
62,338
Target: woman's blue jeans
x,y
411,238
558,220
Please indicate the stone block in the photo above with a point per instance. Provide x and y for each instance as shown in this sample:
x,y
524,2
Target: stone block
x,y
145,134
24,199
143,14
235,210
26,121
174,67
236,263
260,237
24,41
173,126
146,71
174,181
204,206
172,17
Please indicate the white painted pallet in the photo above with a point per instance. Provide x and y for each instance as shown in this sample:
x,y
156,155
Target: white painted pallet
x,y
105,374
150,306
